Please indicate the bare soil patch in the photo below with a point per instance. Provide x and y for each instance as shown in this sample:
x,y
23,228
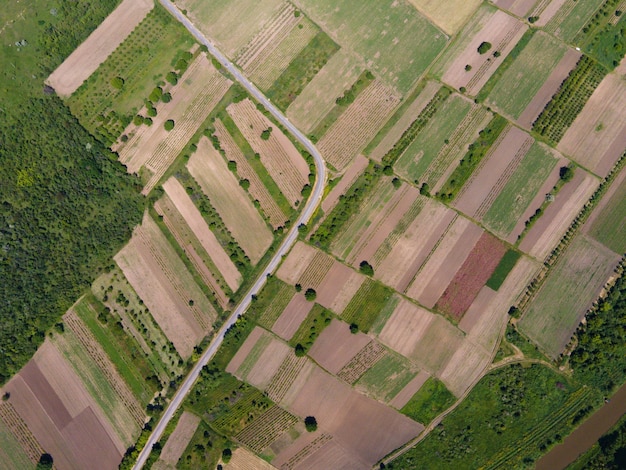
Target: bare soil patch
x,y
180,437
291,318
296,263
18,428
409,390
546,11
550,227
406,327
332,284
517,7
349,289
503,32
465,367
597,137
243,459
230,200
98,46
332,455
349,177
336,346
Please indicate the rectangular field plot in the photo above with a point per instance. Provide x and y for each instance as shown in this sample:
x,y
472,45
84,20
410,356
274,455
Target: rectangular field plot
x,y
387,377
432,399
336,346
222,188
520,190
570,18
180,437
381,32
18,447
523,79
607,224
572,286
449,16
463,66
517,7
442,142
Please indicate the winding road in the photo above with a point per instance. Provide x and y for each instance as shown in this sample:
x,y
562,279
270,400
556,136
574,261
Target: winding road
x,y
311,205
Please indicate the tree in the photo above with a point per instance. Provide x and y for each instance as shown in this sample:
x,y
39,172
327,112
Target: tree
x,y
366,268
310,294
45,462
166,98
226,455
117,82
310,423
265,135
156,94
396,182
566,173
300,351
484,47
172,78
244,183
354,328
298,287
169,125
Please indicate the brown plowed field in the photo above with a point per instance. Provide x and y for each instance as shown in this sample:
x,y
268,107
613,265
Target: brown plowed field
x,y
349,177
266,429
471,276
449,16
230,200
316,271
369,355
546,10
443,261
333,284
268,363
495,168
597,137
296,263
243,459
280,383
349,289
517,7
98,46
180,437
281,158
503,32
336,346
550,227
291,318
332,455
245,171
409,390
200,229
20,431
244,350
358,124
549,88
465,367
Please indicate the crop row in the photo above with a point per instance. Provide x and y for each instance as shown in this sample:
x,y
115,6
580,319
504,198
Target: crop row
x,y
284,376
266,429
20,431
242,412
371,353
307,450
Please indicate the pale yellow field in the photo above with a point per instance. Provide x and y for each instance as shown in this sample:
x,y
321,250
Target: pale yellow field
x,y
449,15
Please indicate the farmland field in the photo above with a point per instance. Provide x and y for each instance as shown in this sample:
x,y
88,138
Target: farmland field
x,y
366,304
432,398
571,17
449,16
180,437
12,453
387,377
609,219
523,79
365,31
565,296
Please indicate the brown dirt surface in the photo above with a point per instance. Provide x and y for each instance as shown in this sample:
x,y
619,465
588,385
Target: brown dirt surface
x,y
291,455
479,306
243,459
332,455
549,88
493,173
98,46
465,367
517,7
336,346
557,217
291,318
296,263
444,261
546,10
406,327
18,428
410,115
244,350
245,171
349,177
349,289
180,437
369,355
315,273
360,424
198,91
597,137
268,428
332,284
411,249
200,229
358,124
503,32
230,200
268,363
409,390
281,158
471,276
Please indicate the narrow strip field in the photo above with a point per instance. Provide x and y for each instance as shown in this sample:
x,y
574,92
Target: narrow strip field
x,y
209,169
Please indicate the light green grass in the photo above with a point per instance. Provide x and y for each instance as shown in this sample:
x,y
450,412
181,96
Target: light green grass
x,y
520,190
367,304
385,379
11,452
610,225
571,287
397,39
523,79
385,314
252,358
423,151
567,27
429,401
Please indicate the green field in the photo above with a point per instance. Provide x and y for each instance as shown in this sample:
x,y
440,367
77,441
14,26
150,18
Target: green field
x,y
385,314
429,401
368,302
573,284
610,224
271,301
520,190
315,322
506,264
512,416
388,36
252,358
608,44
385,379
142,61
568,25
526,75
423,151
12,453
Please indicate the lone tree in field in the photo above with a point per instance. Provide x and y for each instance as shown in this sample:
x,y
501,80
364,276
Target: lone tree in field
x,y
366,268
169,125
299,350
45,462
310,294
310,423
484,47
265,135
566,173
354,328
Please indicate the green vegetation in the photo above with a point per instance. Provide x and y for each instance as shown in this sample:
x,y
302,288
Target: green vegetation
x,y
605,41
342,103
366,268
310,423
512,416
503,269
169,125
529,349
310,294
608,227
142,62
484,47
271,301
367,304
568,26
385,314
475,153
14,455
301,70
429,401
385,379
317,319
608,452
265,135
204,449
569,101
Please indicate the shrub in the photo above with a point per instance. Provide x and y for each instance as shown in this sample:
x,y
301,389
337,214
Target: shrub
x,y
366,268
468,67
300,351
265,135
138,120
166,98
310,423
310,294
244,183
152,112
156,94
232,165
169,125
172,78
396,182
354,328
117,82
226,455
566,173
298,287
484,47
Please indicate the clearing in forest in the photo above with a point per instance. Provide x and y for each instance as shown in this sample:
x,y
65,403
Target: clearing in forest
x,y
230,200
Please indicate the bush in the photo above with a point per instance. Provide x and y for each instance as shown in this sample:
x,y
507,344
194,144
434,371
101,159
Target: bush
x,y
310,423
226,455
156,94
172,78
138,120
310,294
169,125
468,67
244,183
566,173
265,135
484,47
366,268
166,98
354,328
117,82
300,351
152,112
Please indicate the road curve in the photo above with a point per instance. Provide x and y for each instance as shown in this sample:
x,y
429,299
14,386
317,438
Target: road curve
x,y
311,205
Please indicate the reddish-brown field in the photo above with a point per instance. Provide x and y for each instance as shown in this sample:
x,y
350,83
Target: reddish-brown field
x,y
98,46
517,7
294,314
472,276
338,287
336,346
